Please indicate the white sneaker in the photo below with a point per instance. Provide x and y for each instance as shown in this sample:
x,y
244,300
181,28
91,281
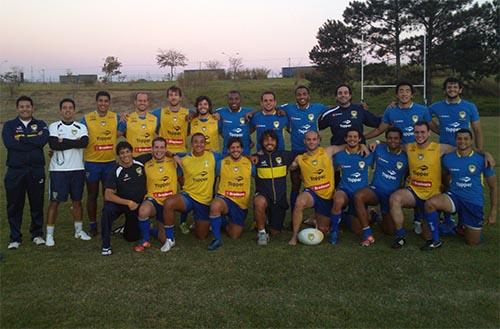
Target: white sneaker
x,y
49,241
262,238
417,227
169,244
38,240
13,245
82,236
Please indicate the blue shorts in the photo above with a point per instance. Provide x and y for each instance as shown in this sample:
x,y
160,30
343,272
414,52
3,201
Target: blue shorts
x,y
469,214
98,171
235,214
419,203
200,211
321,206
64,183
158,208
350,196
383,198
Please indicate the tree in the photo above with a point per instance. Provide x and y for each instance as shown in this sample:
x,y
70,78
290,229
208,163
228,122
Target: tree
x,y
382,22
111,68
213,64
12,79
171,58
335,52
235,65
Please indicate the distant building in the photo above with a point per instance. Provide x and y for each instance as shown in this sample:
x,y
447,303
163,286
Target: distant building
x,y
80,78
296,71
216,74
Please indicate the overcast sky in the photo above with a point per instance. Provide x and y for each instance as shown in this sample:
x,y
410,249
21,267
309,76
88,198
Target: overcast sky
x,y
57,35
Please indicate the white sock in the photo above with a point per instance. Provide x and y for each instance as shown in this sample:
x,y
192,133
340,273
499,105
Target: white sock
x,y
78,227
262,231
50,229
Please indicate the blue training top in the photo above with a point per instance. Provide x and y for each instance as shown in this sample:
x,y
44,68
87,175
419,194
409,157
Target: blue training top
x,y
406,118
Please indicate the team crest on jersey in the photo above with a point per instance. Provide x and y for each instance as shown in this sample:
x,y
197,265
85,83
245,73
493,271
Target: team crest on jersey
x,y
143,126
310,116
354,114
276,124
472,168
414,118
361,164
103,123
236,169
242,120
203,128
420,156
315,162
461,114
205,163
174,118
399,165
278,160
33,127
138,170
160,169
74,132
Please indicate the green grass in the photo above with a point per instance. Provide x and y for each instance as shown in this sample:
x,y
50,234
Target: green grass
x,y
243,285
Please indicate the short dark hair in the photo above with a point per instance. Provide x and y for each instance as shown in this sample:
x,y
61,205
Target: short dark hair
x,y
422,123
463,131
233,140
197,134
102,93
24,98
234,92
352,129
343,85
66,100
268,133
199,99
174,89
452,80
302,87
141,93
267,92
394,129
405,83
123,145
159,139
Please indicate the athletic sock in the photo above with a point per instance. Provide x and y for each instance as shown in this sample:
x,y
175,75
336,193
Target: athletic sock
x,y
144,228
432,219
50,229
334,222
183,218
293,199
400,232
216,224
169,232
367,231
78,227
447,219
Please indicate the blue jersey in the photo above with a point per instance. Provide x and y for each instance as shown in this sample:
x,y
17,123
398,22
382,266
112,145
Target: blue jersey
x,y
353,170
301,121
390,169
262,122
340,119
452,117
405,119
234,124
465,173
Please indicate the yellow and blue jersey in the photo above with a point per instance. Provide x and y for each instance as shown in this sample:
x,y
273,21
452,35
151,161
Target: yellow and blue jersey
x,y
140,132
235,180
425,169
161,178
317,172
209,127
102,136
199,176
173,127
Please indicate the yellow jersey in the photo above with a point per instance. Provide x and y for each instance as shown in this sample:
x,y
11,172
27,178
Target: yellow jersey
x,y
425,169
199,176
235,180
210,128
140,132
317,172
174,127
102,136
161,178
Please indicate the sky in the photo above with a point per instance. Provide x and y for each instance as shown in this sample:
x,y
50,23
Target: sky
x,y
47,37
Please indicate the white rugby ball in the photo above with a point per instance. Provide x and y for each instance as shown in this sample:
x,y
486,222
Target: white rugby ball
x,y
310,236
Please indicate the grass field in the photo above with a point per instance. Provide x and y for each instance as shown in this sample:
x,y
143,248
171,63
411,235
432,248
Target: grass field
x,y
243,285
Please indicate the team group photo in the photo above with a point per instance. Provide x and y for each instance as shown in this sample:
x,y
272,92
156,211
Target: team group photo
x,y
356,191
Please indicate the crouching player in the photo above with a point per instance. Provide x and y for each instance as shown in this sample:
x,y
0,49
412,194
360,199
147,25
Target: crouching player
x,y
124,190
233,194
465,169
317,173
391,166
161,177
270,186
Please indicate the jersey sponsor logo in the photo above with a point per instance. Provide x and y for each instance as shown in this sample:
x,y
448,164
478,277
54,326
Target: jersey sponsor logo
x,y
461,114
260,126
408,131
345,124
354,114
420,183
142,149
236,132
175,141
201,177
472,168
295,118
464,182
320,187
163,194
390,175
227,121
263,163
453,127
235,194
304,129
105,147
354,178
421,171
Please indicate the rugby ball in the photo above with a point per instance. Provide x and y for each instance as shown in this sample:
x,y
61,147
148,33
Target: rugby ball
x,y
310,236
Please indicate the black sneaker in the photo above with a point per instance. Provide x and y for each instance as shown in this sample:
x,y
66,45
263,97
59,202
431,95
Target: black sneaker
x,y
431,245
398,243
